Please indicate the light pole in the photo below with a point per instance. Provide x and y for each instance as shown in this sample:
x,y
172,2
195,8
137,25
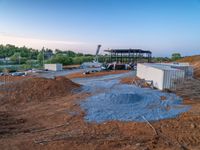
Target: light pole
x,y
43,56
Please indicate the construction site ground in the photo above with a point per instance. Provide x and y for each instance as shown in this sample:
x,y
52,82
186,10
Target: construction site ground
x,y
95,74
195,62
57,122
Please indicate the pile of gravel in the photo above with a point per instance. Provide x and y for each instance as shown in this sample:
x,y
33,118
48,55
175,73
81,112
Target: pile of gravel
x,y
114,101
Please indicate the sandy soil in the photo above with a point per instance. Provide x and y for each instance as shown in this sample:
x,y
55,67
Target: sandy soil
x,y
58,123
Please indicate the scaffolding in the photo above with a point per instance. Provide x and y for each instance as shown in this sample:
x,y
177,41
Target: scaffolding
x,y
128,55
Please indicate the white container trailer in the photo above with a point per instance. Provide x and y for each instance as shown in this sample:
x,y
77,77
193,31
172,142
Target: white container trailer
x,y
163,76
150,73
186,67
53,67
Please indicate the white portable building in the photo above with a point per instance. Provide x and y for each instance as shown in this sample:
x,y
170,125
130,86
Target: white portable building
x,y
53,67
186,67
163,76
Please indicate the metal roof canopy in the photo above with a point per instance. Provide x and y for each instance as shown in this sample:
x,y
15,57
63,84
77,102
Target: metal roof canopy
x,y
128,51
128,55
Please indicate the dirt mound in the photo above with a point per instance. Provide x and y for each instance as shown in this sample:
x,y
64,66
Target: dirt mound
x,y
195,62
9,78
36,89
190,59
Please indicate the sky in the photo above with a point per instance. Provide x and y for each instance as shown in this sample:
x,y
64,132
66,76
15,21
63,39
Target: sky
x,y
162,26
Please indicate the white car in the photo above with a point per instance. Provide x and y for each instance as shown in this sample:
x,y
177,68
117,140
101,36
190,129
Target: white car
x,y
18,74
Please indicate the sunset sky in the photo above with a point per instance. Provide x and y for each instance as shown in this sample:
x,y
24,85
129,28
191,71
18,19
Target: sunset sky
x,y
162,26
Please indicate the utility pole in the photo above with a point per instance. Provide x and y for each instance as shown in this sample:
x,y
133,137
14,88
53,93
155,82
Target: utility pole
x,y
43,56
19,58
31,59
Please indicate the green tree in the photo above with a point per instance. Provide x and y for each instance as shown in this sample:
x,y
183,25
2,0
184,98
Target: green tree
x,y
40,58
61,58
77,60
9,50
58,51
88,58
16,58
176,56
71,54
79,54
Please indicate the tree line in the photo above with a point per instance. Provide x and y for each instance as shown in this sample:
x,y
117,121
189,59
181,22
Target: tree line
x,y
24,55
33,57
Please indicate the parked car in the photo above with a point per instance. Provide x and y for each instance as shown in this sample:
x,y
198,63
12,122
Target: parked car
x,y
18,74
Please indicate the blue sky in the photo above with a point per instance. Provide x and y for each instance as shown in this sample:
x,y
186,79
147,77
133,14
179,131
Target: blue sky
x,y
162,26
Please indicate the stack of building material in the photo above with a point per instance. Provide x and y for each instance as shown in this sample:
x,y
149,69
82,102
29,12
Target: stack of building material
x,y
91,65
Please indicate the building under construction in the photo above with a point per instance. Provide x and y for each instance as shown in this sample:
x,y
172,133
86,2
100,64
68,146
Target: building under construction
x,y
128,55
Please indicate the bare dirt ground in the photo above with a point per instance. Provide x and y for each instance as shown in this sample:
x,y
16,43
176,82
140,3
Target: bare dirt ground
x,y
57,123
12,78
71,66
95,74
195,62
128,80
135,80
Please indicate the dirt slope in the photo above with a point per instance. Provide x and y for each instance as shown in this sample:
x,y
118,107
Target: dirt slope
x,y
29,94
195,61
35,89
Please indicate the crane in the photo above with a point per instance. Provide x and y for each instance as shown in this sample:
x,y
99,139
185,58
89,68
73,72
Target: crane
x,y
97,52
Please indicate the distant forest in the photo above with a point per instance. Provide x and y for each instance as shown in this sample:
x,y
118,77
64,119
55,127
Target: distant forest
x,y
12,54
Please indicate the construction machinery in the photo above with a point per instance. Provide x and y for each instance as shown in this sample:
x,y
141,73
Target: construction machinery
x,y
95,63
97,53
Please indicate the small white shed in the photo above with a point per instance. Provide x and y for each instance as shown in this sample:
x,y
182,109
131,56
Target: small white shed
x,y
163,76
53,67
